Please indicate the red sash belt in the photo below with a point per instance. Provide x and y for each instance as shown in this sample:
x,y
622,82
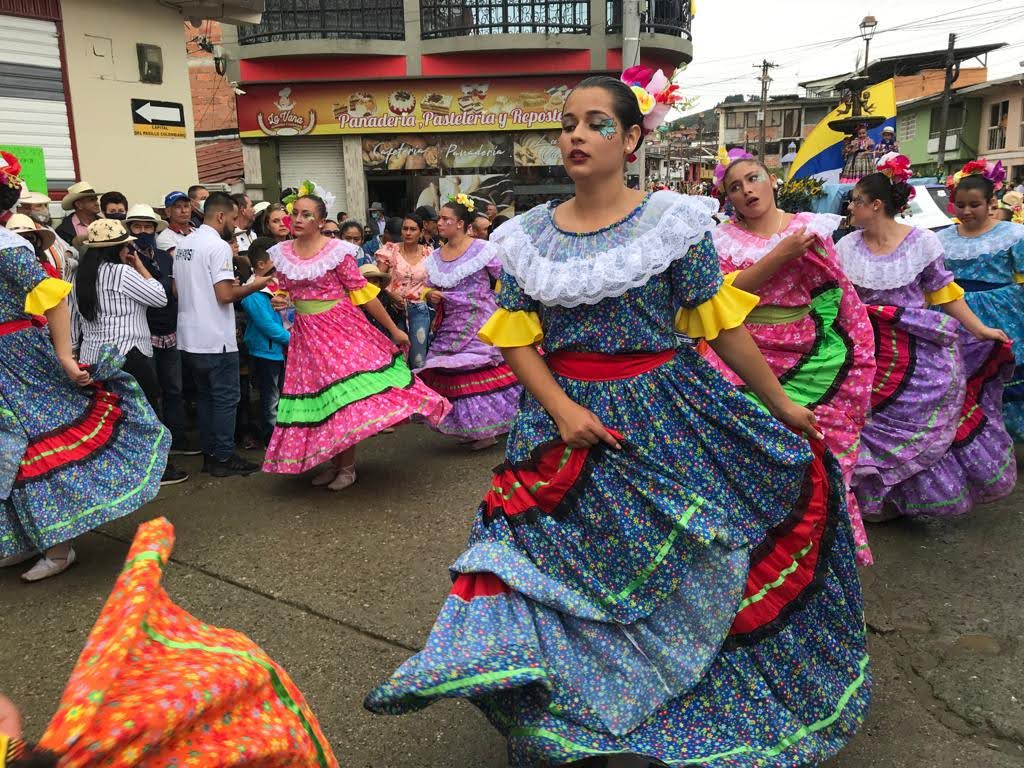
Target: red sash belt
x,y
595,366
14,325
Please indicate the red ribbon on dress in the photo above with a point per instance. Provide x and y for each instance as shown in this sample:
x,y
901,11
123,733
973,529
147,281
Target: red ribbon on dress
x,y
596,366
14,325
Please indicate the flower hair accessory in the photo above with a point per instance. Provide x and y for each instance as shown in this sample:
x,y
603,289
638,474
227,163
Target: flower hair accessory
x,y
10,171
1014,202
655,94
464,200
725,159
896,167
308,187
994,172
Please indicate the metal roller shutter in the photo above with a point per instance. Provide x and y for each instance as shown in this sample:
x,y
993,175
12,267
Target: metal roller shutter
x,y
32,107
317,158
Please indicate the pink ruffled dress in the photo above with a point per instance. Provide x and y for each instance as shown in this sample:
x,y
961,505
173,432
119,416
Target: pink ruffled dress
x,y
344,381
814,331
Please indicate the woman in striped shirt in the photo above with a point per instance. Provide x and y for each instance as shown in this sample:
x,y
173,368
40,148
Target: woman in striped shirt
x,y
113,289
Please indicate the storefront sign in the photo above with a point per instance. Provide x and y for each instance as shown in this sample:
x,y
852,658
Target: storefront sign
x,y
412,152
33,166
402,107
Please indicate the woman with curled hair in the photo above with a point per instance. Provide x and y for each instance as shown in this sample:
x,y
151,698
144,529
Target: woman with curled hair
x,y
935,444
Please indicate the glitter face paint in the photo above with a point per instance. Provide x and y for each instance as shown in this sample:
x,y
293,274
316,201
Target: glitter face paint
x,y
606,128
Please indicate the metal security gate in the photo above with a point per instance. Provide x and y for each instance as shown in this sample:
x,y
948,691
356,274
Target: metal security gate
x,y
33,111
317,158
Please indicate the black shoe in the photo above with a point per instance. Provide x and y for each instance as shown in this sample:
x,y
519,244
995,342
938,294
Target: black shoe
x,y
184,447
236,465
173,475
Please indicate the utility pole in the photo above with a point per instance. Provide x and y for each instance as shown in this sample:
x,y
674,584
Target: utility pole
x,y
763,114
630,58
952,74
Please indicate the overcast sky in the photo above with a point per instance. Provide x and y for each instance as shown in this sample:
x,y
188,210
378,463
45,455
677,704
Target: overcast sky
x,y
810,39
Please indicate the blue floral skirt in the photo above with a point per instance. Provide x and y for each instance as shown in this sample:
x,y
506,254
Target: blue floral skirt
x,y
692,598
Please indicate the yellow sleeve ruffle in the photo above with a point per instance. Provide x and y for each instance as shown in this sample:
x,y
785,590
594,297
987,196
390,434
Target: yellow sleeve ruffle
x,y
367,293
1018,278
47,295
512,329
726,309
944,295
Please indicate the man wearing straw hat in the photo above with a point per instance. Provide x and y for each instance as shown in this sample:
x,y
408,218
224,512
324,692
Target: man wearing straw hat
x,y
83,203
36,206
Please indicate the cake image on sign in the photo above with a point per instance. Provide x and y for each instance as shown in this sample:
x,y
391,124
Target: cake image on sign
x,y
361,104
438,103
534,99
557,96
503,104
471,105
479,90
401,102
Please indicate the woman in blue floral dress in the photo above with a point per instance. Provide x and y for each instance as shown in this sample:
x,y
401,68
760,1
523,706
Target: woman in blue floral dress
x,y
986,258
78,448
660,567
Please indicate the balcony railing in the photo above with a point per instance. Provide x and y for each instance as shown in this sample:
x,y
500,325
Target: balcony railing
x,y
457,18
326,20
665,17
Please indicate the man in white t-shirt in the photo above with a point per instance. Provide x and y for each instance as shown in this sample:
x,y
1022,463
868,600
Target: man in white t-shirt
x,y
178,210
207,290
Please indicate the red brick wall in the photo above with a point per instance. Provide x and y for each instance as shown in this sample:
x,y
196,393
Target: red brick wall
x,y
213,97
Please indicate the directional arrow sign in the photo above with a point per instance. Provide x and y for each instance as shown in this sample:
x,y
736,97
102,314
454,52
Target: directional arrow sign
x,y
158,118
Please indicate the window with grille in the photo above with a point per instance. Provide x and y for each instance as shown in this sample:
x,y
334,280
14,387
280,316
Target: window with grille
x,y
906,127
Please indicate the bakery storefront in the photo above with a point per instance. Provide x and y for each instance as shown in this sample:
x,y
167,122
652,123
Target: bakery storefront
x,y
416,142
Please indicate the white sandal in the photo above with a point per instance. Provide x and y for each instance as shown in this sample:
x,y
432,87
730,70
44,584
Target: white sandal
x,y
46,567
345,478
325,476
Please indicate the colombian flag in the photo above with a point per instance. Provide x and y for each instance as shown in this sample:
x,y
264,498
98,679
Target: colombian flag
x,y
821,154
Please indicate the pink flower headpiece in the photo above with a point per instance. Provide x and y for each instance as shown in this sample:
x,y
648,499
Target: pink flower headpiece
x,y
655,94
994,172
895,166
725,159
10,170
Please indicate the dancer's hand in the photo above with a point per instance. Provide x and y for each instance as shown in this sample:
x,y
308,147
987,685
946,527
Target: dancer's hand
x,y
279,301
580,428
73,372
401,340
796,245
434,297
802,420
992,334
10,718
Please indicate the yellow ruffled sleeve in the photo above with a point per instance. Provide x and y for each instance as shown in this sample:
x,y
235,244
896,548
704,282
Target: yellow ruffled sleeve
x,y
362,295
1018,278
726,309
512,329
944,295
46,295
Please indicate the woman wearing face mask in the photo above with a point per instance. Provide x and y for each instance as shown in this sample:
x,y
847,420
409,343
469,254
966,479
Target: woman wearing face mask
x,y
344,381
483,390
405,261
810,325
660,567
935,444
987,259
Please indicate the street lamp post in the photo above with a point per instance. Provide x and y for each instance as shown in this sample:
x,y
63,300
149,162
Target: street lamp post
x,y
867,31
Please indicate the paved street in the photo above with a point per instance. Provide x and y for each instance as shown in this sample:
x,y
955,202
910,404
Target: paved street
x,y
340,588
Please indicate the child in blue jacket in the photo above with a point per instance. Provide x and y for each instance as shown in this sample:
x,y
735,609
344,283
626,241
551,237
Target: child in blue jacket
x,y
265,338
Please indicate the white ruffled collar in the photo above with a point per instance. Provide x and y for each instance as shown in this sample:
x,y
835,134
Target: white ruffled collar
x,y
1001,237
289,264
895,270
741,248
559,268
447,274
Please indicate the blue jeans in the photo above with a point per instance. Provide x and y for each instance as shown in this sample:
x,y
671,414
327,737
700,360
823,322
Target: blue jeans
x,y
418,317
269,375
217,396
172,405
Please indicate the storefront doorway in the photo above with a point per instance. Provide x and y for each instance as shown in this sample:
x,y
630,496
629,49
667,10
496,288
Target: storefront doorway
x,y
393,193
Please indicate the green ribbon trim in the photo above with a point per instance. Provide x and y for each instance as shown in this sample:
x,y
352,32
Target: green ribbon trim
x,y
143,557
772,314
817,374
536,673
279,688
566,453
642,578
763,593
307,410
768,752
314,306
